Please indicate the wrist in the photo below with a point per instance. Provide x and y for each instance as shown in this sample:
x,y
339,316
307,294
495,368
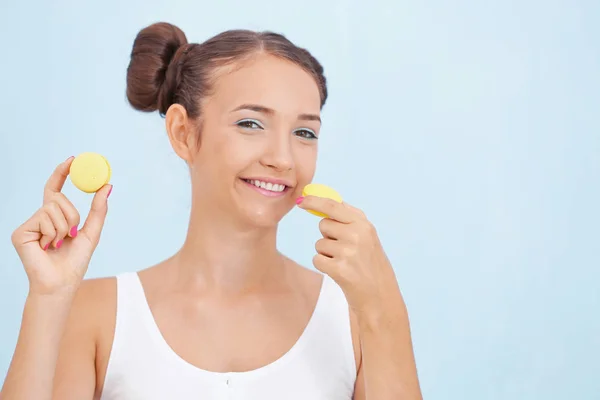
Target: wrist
x,y
54,300
383,315
54,294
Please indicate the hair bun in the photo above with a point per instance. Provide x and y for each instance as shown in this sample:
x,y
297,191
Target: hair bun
x,y
153,50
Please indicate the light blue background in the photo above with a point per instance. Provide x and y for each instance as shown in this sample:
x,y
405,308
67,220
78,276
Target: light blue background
x,y
467,130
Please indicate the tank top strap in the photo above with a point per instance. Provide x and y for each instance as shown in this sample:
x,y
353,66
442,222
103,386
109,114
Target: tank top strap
x,y
334,317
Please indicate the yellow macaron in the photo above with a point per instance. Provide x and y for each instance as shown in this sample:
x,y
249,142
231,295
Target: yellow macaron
x,y
89,172
319,190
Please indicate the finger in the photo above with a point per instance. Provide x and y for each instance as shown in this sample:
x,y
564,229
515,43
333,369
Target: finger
x,y
333,229
327,247
70,212
331,208
57,180
59,222
46,229
92,228
325,264
356,211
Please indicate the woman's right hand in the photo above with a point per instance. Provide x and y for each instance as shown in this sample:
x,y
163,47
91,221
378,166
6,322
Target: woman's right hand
x,y
54,253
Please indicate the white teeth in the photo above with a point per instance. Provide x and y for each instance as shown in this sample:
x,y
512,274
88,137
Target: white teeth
x,y
272,187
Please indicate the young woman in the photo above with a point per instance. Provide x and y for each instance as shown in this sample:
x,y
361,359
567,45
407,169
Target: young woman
x,y
227,316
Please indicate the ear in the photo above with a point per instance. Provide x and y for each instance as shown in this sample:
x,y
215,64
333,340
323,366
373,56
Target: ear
x,y
182,134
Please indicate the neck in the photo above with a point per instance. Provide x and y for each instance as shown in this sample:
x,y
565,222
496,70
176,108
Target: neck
x,y
222,256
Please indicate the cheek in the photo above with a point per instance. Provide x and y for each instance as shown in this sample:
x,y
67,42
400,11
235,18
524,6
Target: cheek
x,y
306,163
226,154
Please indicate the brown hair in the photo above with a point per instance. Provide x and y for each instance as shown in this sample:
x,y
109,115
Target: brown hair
x,y
165,69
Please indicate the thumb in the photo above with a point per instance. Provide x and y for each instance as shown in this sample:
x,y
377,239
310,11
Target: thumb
x,y
94,223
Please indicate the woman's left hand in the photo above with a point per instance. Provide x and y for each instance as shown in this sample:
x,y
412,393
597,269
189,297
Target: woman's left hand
x,y
351,254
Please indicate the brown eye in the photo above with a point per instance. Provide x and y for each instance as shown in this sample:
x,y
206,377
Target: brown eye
x,y
305,133
249,124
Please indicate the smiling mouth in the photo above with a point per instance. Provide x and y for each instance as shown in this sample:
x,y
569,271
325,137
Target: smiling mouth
x,y
274,188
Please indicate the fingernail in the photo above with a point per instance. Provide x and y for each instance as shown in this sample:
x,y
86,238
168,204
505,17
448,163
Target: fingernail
x,y
299,200
73,231
109,192
59,243
46,246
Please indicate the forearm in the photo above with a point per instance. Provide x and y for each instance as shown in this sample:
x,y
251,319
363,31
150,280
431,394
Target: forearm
x,y
31,372
388,360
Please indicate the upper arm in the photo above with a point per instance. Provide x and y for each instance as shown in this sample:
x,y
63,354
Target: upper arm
x,y
75,376
359,385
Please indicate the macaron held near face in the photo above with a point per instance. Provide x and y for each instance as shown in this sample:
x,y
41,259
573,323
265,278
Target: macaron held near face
x,y
320,190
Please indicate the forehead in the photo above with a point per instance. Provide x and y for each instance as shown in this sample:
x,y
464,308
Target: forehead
x,y
269,81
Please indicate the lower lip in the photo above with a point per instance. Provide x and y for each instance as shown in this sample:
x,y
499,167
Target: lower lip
x,y
266,192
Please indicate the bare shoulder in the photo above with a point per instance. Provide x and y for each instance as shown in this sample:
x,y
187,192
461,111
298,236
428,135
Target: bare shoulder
x,y
98,306
92,287
87,340
93,307
307,275
307,281
95,299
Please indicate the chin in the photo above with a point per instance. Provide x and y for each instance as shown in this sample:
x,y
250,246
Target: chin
x,y
264,217
258,210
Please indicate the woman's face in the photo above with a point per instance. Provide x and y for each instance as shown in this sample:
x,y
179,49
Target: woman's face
x,y
258,145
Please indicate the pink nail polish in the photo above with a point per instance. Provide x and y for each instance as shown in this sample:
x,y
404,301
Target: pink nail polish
x,y
59,243
46,246
109,192
299,200
73,231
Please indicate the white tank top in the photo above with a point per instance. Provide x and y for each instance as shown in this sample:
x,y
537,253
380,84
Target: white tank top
x,y
319,366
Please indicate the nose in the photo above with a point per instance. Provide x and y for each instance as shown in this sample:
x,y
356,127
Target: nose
x,y
278,154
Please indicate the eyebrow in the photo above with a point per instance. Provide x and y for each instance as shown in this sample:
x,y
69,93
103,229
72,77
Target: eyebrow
x,y
269,111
